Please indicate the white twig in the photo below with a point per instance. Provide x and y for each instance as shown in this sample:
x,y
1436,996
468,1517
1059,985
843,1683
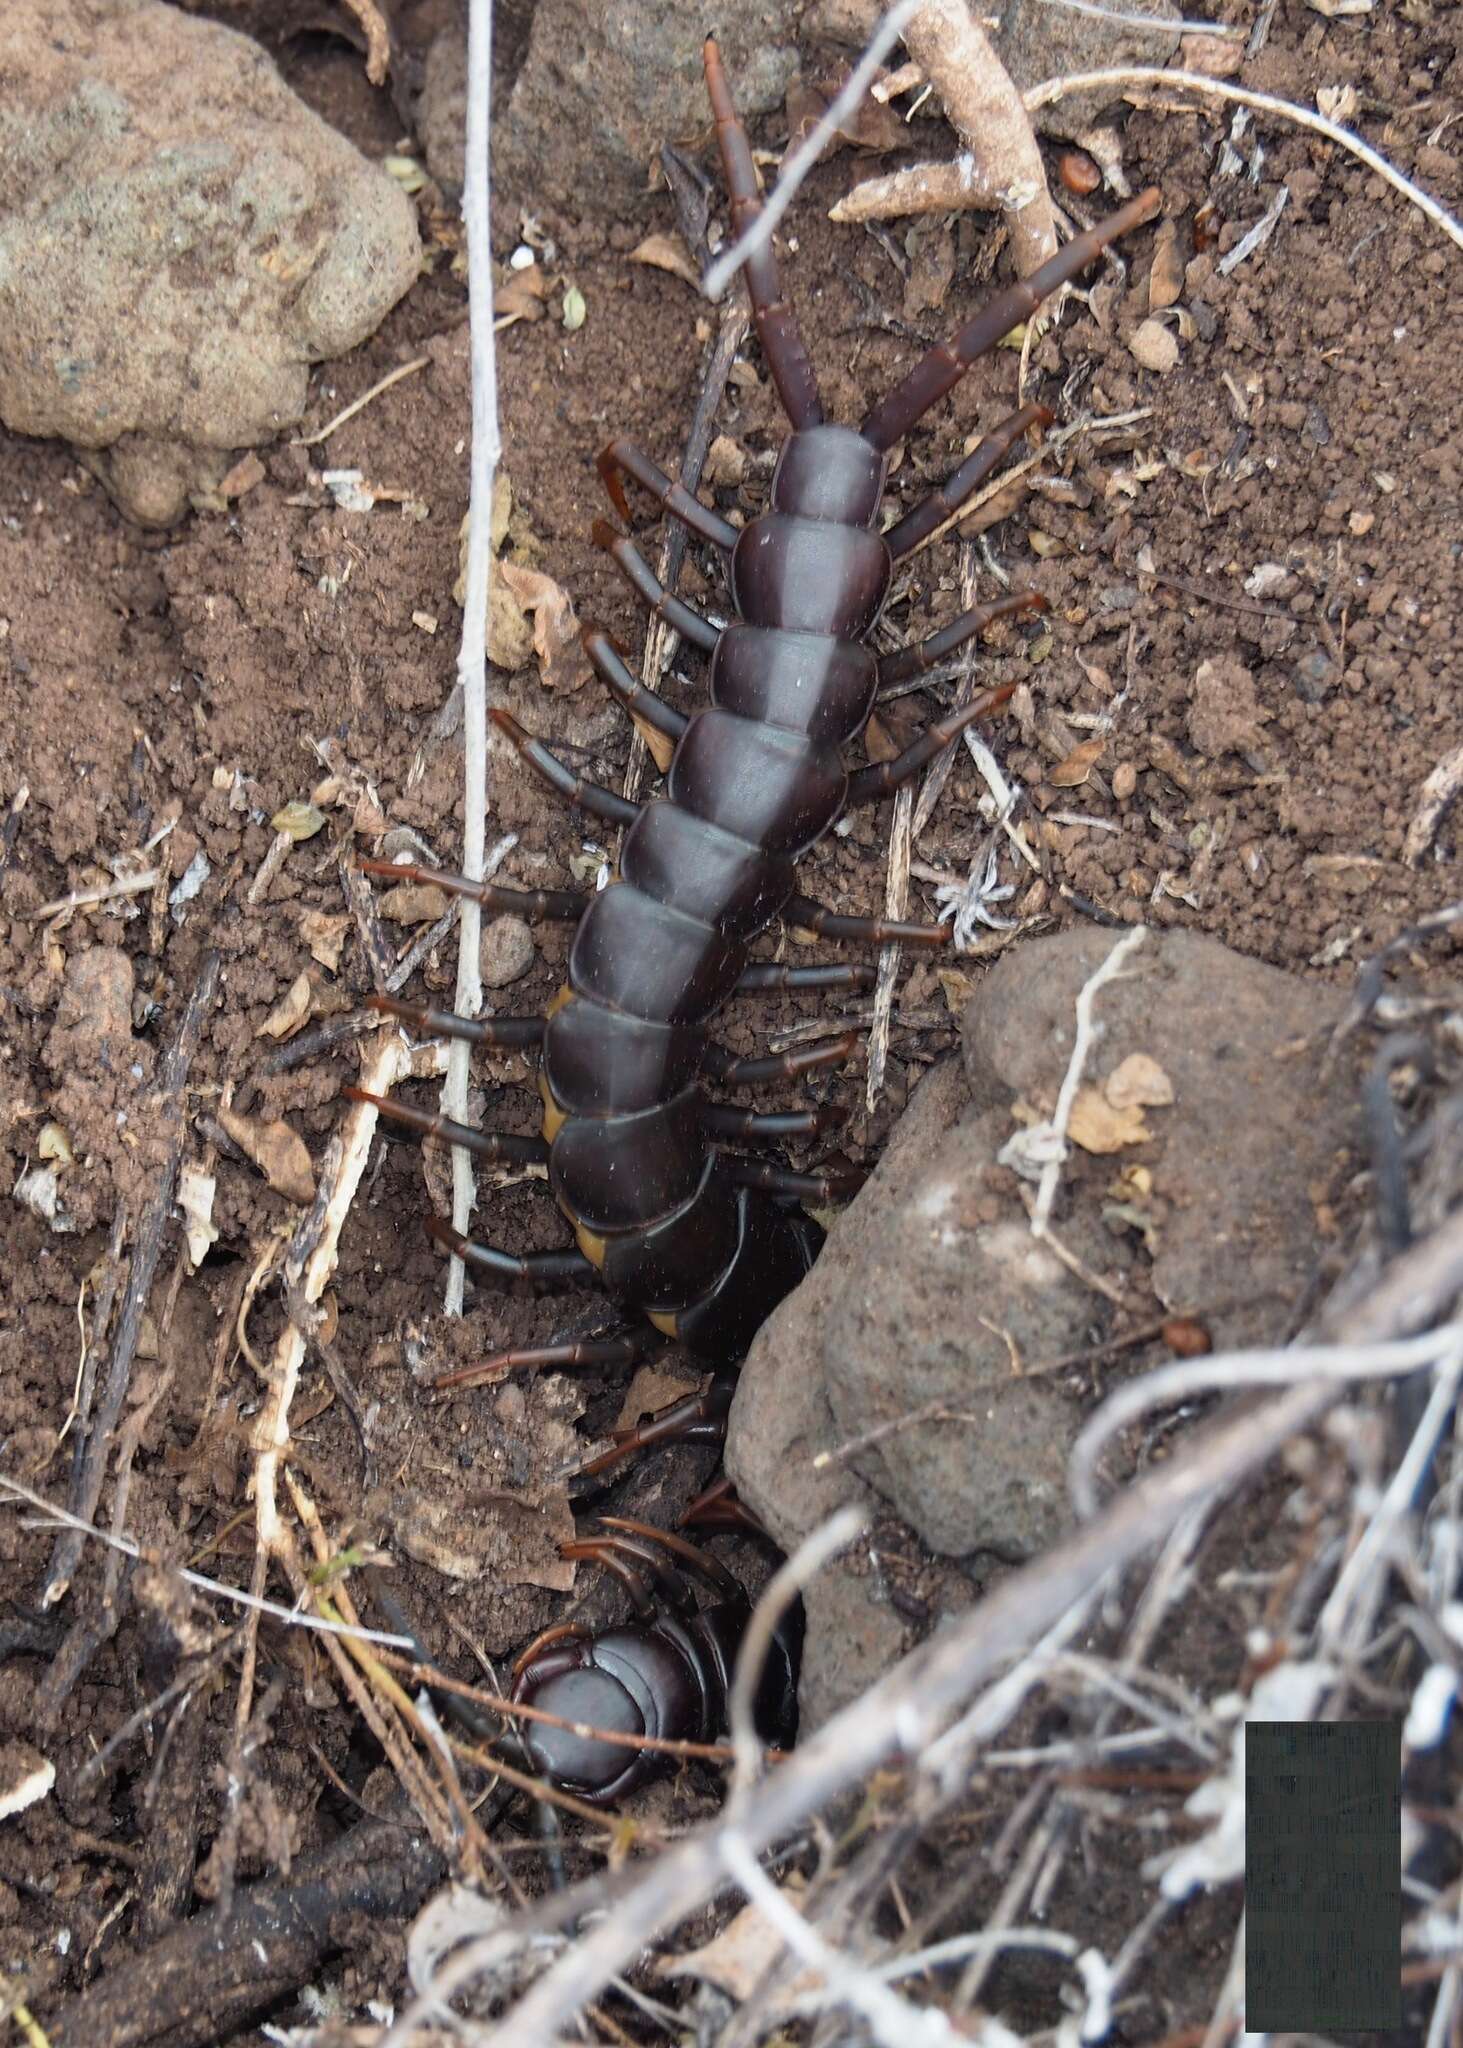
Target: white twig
x,y
1046,1144
348,412
786,1583
472,658
1230,1370
1161,24
891,2020
796,167
216,1588
1304,117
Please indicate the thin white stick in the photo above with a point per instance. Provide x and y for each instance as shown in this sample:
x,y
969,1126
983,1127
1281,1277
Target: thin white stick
x,y
1160,23
1195,81
129,1547
472,657
1053,1136
1229,1371
796,167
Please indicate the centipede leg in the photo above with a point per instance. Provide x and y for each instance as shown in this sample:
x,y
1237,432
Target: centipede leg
x,y
881,777
913,661
732,1072
499,1148
507,1033
623,455
562,906
777,975
628,691
777,330
648,587
545,1269
603,803
877,931
695,1419
781,1180
942,368
947,498
725,1122
573,1356
719,1507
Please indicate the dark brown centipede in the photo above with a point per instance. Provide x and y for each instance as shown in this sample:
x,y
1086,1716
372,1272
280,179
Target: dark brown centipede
x,y
702,1242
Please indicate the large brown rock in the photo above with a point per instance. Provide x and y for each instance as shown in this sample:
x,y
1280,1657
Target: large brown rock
x,y
180,237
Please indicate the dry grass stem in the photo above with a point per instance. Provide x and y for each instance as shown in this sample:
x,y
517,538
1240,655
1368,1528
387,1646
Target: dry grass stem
x,y
359,404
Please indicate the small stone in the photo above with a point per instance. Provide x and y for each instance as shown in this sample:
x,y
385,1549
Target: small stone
x,y
507,951
1124,781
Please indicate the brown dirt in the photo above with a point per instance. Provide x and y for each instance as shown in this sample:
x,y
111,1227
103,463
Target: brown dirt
x,y
207,681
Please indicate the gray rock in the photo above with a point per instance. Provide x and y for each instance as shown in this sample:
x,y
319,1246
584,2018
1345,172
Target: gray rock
x,y
507,951
931,1293
1255,1135
180,237
604,84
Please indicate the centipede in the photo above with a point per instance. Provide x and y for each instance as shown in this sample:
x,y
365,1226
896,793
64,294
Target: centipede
x,y
693,1238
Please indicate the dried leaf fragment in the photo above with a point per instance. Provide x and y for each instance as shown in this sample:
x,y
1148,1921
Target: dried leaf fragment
x,y
1078,765
667,252
660,744
736,1960
291,1012
1138,1082
1166,278
1097,1126
196,1190
324,934
276,1150
298,821
563,664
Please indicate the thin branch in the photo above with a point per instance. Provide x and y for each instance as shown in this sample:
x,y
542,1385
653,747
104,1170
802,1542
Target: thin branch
x,y
796,167
1195,81
385,383
1230,1371
1161,24
215,1588
472,657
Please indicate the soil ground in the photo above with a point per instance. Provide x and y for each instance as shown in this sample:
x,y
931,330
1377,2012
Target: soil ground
x,y
207,678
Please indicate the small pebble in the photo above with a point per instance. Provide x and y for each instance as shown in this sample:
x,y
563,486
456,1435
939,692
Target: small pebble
x,y
1077,171
507,951
1124,781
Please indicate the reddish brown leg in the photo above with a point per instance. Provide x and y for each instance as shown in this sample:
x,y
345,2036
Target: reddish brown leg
x,y
624,455
603,803
913,661
638,573
878,931
545,1269
697,1419
565,906
777,1066
720,1508
941,370
777,330
881,777
641,1539
510,1033
499,1147
627,690
568,1357
945,501
776,974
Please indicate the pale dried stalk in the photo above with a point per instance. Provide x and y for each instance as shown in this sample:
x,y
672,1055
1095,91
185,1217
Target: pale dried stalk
x,y
987,112
472,657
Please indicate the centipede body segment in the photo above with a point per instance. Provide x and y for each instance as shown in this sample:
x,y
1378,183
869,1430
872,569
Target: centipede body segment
x,y
703,1243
